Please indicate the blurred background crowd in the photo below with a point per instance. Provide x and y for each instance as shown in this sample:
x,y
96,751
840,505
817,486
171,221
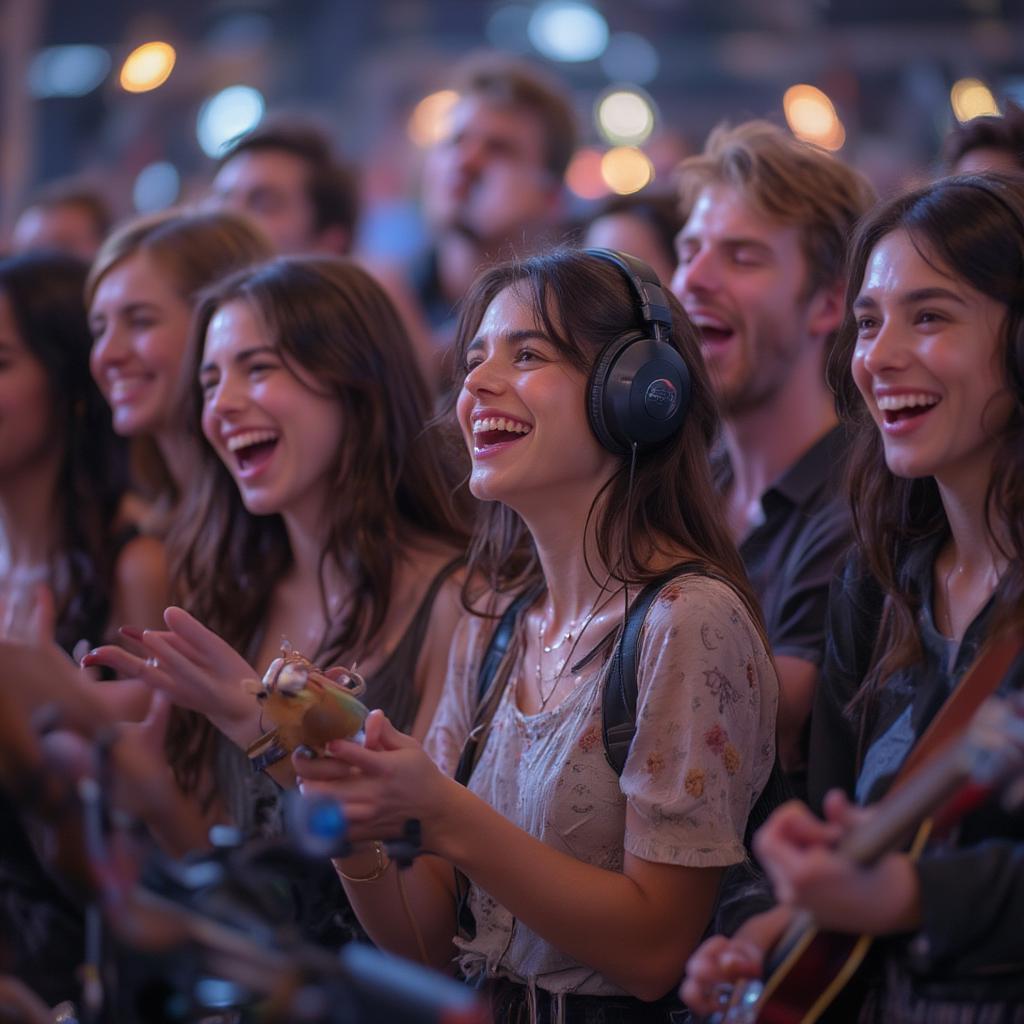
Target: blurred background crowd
x,y
137,100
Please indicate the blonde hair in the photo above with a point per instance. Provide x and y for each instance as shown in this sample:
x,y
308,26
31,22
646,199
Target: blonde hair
x,y
790,181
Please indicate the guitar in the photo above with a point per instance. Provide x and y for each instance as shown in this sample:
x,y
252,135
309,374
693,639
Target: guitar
x,y
808,969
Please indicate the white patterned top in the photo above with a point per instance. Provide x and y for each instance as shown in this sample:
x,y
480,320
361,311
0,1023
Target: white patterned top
x,y
703,750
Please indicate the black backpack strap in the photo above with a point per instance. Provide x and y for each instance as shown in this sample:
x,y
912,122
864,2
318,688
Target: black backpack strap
x,y
618,718
485,708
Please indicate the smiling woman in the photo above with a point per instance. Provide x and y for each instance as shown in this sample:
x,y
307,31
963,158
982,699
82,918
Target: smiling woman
x,y
930,374
586,889
141,292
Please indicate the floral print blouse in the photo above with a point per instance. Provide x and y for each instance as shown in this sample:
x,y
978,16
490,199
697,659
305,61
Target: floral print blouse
x,y
703,749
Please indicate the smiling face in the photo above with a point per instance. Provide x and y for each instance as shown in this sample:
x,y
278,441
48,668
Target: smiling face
x,y
276,434
523,415
741,278
140,326
27,429
928,363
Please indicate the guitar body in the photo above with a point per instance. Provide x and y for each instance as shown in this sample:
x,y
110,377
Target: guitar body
x,y
807,983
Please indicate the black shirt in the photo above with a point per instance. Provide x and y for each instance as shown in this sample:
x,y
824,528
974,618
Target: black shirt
x,y
792,555
970,946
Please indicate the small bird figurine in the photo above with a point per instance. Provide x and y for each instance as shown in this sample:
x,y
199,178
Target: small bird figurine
x,y
307,707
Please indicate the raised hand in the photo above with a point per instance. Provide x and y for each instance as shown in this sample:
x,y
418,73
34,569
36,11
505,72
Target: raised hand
x,y
194,667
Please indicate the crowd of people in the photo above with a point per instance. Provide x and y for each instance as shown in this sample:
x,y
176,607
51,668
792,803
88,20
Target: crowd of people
x,y
659,542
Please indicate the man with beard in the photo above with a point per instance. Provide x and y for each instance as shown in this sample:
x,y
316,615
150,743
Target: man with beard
x,y
761,275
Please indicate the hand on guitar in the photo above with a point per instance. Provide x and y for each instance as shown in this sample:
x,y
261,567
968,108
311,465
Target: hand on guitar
x,y
721,962
799,854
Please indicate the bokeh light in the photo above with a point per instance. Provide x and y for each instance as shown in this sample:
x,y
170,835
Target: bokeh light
x,y
568,30
583,177
972,98
812,117
431,118
232,111
625,116
148,67
67,71
626,169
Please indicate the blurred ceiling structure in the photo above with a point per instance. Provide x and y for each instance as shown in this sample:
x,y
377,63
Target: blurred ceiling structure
x,y
885,66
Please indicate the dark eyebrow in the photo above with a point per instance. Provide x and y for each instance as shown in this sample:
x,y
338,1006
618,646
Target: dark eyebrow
x,y
911,298
242,357
511,338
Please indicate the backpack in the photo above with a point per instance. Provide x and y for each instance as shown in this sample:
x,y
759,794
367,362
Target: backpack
x,y
618,725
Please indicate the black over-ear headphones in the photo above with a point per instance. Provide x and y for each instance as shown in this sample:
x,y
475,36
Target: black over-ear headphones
x,y
639,387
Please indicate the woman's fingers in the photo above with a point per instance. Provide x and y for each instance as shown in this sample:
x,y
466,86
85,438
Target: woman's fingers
x,y
117,659
717,965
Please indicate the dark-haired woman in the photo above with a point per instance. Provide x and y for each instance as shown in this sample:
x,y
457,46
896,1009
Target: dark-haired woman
x,y
588,890
321,513
67,568
61,467
933,381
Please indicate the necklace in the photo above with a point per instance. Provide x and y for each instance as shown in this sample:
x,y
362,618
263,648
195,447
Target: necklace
x,y
543,648
571,634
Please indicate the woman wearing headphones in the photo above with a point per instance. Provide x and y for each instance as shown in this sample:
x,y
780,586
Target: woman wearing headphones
x,y
931,365
587,890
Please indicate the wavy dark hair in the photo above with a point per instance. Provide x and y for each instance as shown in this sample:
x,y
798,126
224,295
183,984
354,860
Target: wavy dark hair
x,y
969,228
389,481
44,292
583,302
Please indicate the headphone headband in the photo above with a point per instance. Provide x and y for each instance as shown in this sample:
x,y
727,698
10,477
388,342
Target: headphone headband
x,y
654,307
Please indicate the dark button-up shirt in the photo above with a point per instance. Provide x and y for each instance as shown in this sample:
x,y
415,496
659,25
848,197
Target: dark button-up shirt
x,y
792,555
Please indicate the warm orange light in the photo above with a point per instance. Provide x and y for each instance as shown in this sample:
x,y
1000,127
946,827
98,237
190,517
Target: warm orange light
x,y
811,117
430,120
148,67
972,98
626,170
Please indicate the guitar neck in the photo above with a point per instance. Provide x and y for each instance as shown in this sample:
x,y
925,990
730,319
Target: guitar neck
x,y
905,807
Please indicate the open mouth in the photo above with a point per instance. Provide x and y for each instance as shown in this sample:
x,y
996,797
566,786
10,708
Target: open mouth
x,y
492,431
902,408
712,330
253,449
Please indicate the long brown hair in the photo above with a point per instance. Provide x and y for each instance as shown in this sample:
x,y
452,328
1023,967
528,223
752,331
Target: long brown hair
x,y
583,303
389,479
44,293
193,249
970,228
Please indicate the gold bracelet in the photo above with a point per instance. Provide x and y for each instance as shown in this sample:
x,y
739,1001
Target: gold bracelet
x,y
383,863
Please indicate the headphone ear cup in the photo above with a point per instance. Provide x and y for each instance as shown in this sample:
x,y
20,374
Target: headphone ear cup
x,y
638,393
597,390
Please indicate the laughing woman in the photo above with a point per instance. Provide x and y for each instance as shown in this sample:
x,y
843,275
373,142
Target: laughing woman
x,y
932,364
320,512
587,890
